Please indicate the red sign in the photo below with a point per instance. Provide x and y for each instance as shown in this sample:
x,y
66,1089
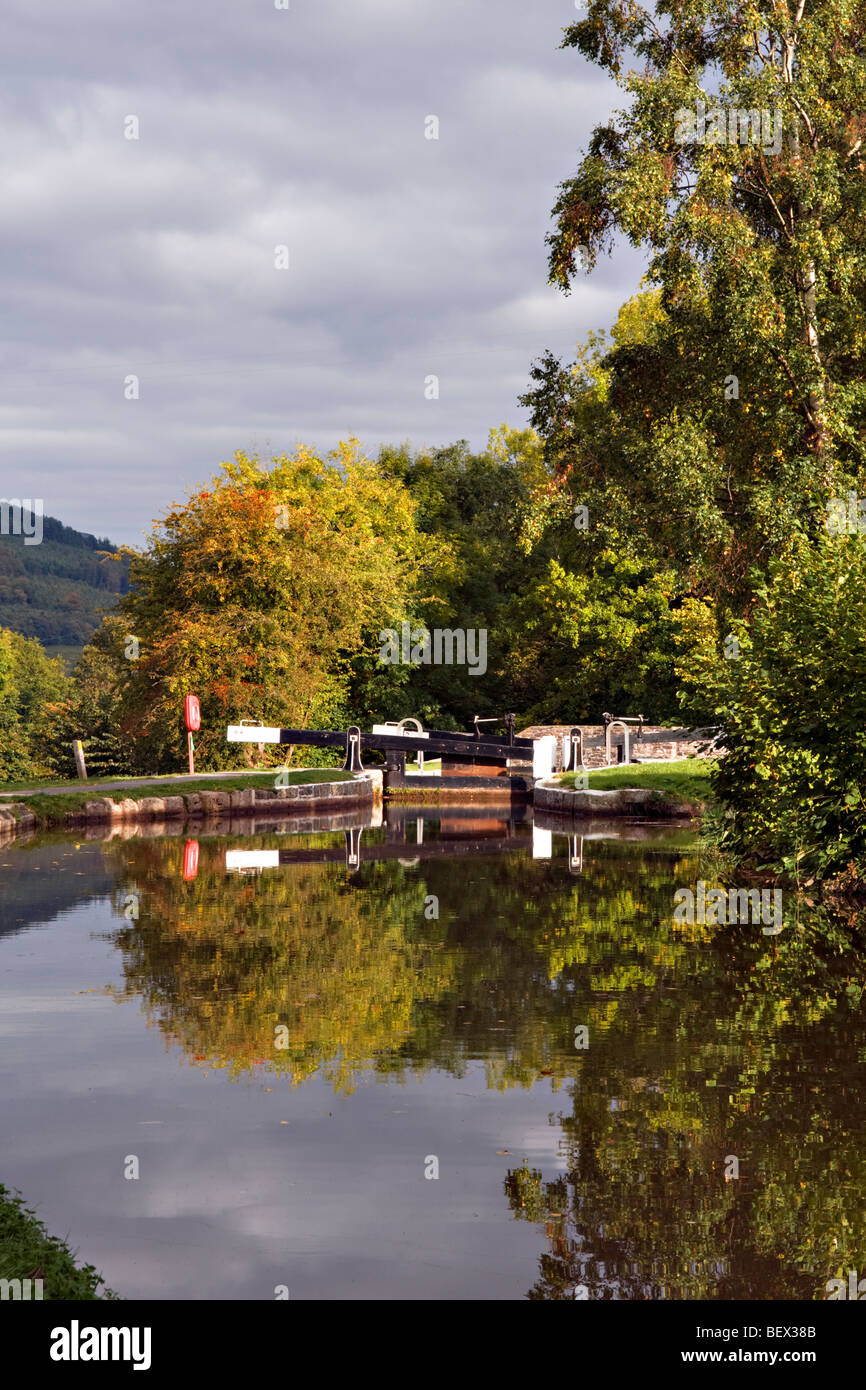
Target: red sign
x,y
192,710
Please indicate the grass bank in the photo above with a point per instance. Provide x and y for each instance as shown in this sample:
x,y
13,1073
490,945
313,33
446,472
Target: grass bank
x,y
166,785
27,1251
685,780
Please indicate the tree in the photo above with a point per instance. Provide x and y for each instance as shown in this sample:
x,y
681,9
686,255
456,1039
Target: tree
x,y
741,410
603,641
791,702
29,681
471,510
256,593
90,711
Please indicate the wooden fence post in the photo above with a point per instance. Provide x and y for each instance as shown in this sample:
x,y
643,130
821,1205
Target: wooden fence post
x,y
80,765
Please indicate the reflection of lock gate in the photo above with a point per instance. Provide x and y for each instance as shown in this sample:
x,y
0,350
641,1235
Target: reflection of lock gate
x,y
463,832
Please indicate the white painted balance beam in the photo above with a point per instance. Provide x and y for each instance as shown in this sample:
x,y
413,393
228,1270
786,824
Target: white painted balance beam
x,y
251,733
399,733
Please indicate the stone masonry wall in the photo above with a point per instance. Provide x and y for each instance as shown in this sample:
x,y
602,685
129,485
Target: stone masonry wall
x,y
594,752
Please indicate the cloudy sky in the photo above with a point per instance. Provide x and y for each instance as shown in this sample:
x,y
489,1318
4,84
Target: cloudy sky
x,y
260,128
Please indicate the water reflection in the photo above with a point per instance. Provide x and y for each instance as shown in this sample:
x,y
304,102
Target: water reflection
x,y
441,942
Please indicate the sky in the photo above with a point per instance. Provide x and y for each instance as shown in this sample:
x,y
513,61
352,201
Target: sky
x,y
150,325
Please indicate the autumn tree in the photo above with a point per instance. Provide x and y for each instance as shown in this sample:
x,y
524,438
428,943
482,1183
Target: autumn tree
x,y
255,594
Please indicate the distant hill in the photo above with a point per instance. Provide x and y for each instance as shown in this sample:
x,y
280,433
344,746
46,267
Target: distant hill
x,y
53,591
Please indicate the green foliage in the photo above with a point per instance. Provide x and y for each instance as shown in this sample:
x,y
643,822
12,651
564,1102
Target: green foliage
x,y
91,712
792,706
573,628
759,264
584,643
285,624
28,681
28,1252
707,437
471,508
256,595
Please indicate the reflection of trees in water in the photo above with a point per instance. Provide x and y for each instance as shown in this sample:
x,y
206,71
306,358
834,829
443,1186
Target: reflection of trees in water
x,y
357,972
704,1042
759,1054
223,962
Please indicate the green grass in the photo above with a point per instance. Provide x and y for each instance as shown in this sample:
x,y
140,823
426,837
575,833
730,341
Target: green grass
x,y
6,788
164,784
685,780
52,810
27,1251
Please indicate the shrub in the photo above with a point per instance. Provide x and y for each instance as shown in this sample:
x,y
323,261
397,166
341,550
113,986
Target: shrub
x,y
794,708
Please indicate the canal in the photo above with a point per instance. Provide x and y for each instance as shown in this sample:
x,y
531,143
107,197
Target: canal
x,y
455,1056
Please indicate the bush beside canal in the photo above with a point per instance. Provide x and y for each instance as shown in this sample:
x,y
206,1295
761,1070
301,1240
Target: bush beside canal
x,y
27,1251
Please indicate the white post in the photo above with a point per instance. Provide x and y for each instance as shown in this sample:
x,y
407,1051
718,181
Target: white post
x,y
543,754
80,764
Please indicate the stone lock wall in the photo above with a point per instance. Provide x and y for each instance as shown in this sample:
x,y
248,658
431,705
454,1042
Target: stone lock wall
x,y
594,752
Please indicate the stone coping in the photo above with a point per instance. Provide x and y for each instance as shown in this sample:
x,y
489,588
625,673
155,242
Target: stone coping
x,y
637,802
208,805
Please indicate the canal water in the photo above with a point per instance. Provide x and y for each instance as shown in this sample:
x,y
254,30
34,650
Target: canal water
x,y
455,1056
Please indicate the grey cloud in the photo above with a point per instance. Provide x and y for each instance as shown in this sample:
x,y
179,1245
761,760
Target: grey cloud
x,y
258,128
